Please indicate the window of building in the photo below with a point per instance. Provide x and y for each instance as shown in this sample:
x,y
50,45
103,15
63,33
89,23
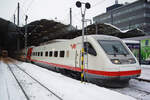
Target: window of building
x,y
46,53
50,53
55,53
62,53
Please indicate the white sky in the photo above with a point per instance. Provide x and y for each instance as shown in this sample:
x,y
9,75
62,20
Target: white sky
x,y
52,9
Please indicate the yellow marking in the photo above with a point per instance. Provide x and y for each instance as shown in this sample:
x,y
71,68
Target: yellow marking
x,y
82,75
82,67
82,58
82,49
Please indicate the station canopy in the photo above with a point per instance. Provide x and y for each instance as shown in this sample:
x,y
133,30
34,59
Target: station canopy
x,y
46,30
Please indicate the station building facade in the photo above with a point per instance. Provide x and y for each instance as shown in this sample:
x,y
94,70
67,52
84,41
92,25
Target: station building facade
x,y
127,16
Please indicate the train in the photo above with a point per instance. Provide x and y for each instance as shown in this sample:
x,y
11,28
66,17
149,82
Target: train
x,y
106,58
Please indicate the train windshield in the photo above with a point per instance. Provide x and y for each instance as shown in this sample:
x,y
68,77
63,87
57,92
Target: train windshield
x,y
113,47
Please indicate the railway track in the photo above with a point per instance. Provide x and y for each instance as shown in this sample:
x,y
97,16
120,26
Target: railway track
x,y
139,89
34,82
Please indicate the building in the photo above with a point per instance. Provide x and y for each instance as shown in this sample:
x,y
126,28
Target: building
x,y
127,16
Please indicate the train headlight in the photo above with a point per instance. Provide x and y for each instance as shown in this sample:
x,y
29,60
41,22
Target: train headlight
x,y
115,61
132,60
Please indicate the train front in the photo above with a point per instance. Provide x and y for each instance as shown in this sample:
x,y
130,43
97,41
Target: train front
x,y
115,60
120,57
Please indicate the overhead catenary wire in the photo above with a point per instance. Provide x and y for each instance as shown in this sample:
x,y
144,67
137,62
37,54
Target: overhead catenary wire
x,y
29,6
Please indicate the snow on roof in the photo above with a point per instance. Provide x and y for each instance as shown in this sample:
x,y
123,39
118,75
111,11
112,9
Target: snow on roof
x,y
130,41
139,38
112,26
124,31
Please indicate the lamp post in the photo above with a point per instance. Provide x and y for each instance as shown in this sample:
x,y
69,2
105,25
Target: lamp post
x,y
87,6
26,34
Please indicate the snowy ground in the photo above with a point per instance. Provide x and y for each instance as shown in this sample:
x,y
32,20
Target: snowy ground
x,y
65,87
145,72
138,89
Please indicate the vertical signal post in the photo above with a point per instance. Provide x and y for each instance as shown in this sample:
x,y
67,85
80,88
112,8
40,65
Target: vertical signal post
x,y
87,6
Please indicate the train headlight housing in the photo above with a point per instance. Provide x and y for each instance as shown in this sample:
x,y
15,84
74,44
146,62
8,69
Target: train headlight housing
x,y
115,61
132,60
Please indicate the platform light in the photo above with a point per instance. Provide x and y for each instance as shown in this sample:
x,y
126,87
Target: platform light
x,y
78,4
87,5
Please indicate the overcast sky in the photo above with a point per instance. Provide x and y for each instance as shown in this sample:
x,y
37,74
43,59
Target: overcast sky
x,y
53,9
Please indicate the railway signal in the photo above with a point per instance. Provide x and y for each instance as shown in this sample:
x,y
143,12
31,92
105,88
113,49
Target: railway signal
x,y
87,6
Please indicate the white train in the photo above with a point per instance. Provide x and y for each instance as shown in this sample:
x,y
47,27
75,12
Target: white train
x,y
106,57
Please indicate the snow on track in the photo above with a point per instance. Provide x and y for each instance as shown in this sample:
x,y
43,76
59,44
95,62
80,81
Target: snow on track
x,y
9,89
33,89
71,89
137,89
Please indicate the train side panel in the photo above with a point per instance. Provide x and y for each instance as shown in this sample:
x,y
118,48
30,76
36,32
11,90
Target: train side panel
x,y
67,55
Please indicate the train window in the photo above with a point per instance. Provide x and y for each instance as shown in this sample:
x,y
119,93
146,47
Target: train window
x,y
50,54
55,53
41,53
89,49
46,53
113,47
38,53
62,53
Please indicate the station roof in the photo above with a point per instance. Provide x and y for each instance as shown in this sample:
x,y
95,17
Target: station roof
x,y
46,30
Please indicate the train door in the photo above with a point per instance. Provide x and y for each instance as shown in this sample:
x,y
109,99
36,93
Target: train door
x,y
86,55
77,58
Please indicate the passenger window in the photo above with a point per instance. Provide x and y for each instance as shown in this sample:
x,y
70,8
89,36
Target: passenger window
x,y
46,53
38,53
50,54
89,49
41,53
55,53
62,53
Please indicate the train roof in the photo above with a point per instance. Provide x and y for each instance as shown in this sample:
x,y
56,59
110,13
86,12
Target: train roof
x,y
97,37
54,41
101,37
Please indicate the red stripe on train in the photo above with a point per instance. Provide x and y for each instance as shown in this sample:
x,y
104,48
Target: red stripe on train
x,y
104,73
